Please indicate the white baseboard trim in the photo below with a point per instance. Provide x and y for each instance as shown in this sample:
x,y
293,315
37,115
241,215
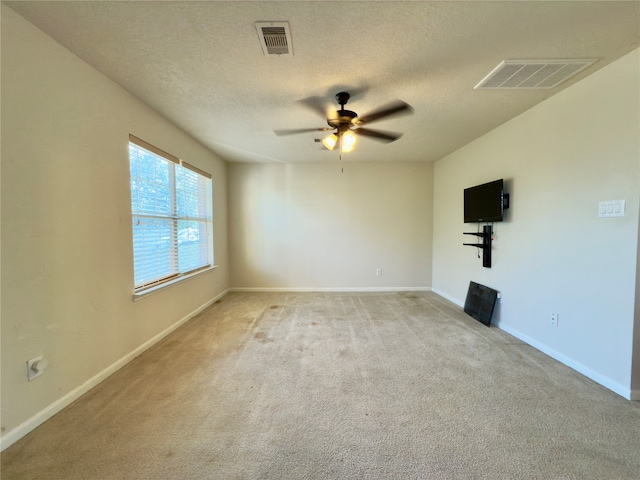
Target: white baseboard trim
x,y
448,297
329,289
570,362
39,418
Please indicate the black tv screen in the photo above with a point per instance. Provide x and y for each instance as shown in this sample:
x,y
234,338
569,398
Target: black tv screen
x,y
483,203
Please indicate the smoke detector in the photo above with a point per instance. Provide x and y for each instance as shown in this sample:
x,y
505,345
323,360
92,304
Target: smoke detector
x,y
532,74
275,38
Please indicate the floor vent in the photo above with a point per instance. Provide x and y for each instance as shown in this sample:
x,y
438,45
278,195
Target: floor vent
x,y
532,74
275,38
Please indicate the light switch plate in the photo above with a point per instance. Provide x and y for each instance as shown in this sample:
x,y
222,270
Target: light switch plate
x,y
611,208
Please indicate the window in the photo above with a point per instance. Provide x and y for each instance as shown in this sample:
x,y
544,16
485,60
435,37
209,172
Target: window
x,y
172,217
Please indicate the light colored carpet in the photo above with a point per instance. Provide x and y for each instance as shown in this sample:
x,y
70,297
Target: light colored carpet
x,y
337,386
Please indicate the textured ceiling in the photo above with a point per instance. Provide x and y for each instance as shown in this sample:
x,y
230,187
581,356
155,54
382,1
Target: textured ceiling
x,y
200,64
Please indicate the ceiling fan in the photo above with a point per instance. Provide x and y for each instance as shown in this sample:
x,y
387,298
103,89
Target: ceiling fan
x,y
347,125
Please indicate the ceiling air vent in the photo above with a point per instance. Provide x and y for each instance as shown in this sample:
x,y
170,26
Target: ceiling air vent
x,y
530,74
275,38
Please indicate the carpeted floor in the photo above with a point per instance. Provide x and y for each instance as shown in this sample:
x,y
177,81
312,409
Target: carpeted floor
x,y
337,386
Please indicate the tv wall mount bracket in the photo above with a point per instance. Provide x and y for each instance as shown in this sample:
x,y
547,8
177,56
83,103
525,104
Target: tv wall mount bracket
x,y
485,245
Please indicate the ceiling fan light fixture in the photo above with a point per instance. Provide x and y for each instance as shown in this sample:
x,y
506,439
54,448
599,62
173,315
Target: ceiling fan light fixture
x,y
330,141
348,142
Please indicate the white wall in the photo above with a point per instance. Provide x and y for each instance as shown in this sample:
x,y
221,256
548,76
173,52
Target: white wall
x,y
67,274
553,254
310,226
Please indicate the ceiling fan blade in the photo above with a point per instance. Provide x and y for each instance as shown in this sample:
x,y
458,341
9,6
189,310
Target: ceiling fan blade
x,y
316,104
386,137
396,108
300,130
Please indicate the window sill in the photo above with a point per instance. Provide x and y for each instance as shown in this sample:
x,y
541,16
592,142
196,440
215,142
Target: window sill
x,y
137,296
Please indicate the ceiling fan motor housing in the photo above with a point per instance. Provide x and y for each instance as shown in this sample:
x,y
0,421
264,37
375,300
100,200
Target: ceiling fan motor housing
x,y
345,119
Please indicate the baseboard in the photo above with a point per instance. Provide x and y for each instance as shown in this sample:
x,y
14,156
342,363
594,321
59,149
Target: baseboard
x,y
448,297
330,289
38,419
570,362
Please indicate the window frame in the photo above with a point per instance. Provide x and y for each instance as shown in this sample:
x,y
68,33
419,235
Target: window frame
x,y
150,286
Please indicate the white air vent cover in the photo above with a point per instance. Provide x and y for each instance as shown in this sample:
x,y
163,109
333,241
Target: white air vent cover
x,y
528,74
275,38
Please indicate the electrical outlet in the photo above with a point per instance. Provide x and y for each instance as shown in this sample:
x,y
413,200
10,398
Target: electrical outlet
x,y
554,319
35,367
379,272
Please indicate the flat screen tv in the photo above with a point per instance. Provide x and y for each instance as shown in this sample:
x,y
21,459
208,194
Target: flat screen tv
x,y
480,302
484,203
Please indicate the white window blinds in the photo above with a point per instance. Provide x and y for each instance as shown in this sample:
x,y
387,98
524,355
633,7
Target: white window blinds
x,y
171,206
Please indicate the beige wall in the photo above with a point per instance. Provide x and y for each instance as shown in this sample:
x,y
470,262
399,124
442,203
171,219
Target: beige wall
x,y
312,226
67,275
553,254
635,367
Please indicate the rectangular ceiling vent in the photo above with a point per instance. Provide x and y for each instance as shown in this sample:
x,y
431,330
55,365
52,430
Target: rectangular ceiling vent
x,y
531,74
275,38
